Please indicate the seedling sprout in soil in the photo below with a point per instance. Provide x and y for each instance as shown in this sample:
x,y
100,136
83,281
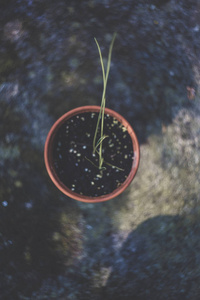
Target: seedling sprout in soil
x,y
75,163
98,145
93,151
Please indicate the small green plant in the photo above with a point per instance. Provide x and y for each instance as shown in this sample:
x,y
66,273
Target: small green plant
x,y
98,145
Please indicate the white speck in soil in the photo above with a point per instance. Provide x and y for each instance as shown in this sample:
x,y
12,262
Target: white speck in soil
x,y
78,154
84,147
99,175
92,182
60,156
76,164
86,169
82,118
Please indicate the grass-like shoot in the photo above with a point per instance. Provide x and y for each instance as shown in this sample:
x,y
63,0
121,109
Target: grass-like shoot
x,y
98,145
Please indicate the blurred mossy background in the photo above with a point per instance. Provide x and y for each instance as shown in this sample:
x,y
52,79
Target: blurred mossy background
x,y
144,244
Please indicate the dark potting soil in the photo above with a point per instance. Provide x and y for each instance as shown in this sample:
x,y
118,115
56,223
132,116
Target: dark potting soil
x,y
77,166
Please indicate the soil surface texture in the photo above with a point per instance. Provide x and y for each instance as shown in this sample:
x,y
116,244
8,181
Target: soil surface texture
x,y
76,164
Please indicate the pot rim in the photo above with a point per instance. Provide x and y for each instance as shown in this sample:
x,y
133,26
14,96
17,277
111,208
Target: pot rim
x,y
48,155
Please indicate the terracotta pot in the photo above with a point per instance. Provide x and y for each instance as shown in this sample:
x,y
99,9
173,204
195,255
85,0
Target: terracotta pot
x,y
48,155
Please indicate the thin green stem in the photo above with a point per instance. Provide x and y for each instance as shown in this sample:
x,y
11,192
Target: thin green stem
x,y
99,117
103,168
103,100
100,141
113,166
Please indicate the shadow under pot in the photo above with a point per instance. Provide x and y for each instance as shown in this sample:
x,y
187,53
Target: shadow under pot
x,y
74,167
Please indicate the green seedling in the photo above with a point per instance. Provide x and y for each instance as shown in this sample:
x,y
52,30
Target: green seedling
x,y
99,143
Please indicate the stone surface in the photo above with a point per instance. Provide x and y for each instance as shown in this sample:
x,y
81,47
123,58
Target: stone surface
x,y
145,243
